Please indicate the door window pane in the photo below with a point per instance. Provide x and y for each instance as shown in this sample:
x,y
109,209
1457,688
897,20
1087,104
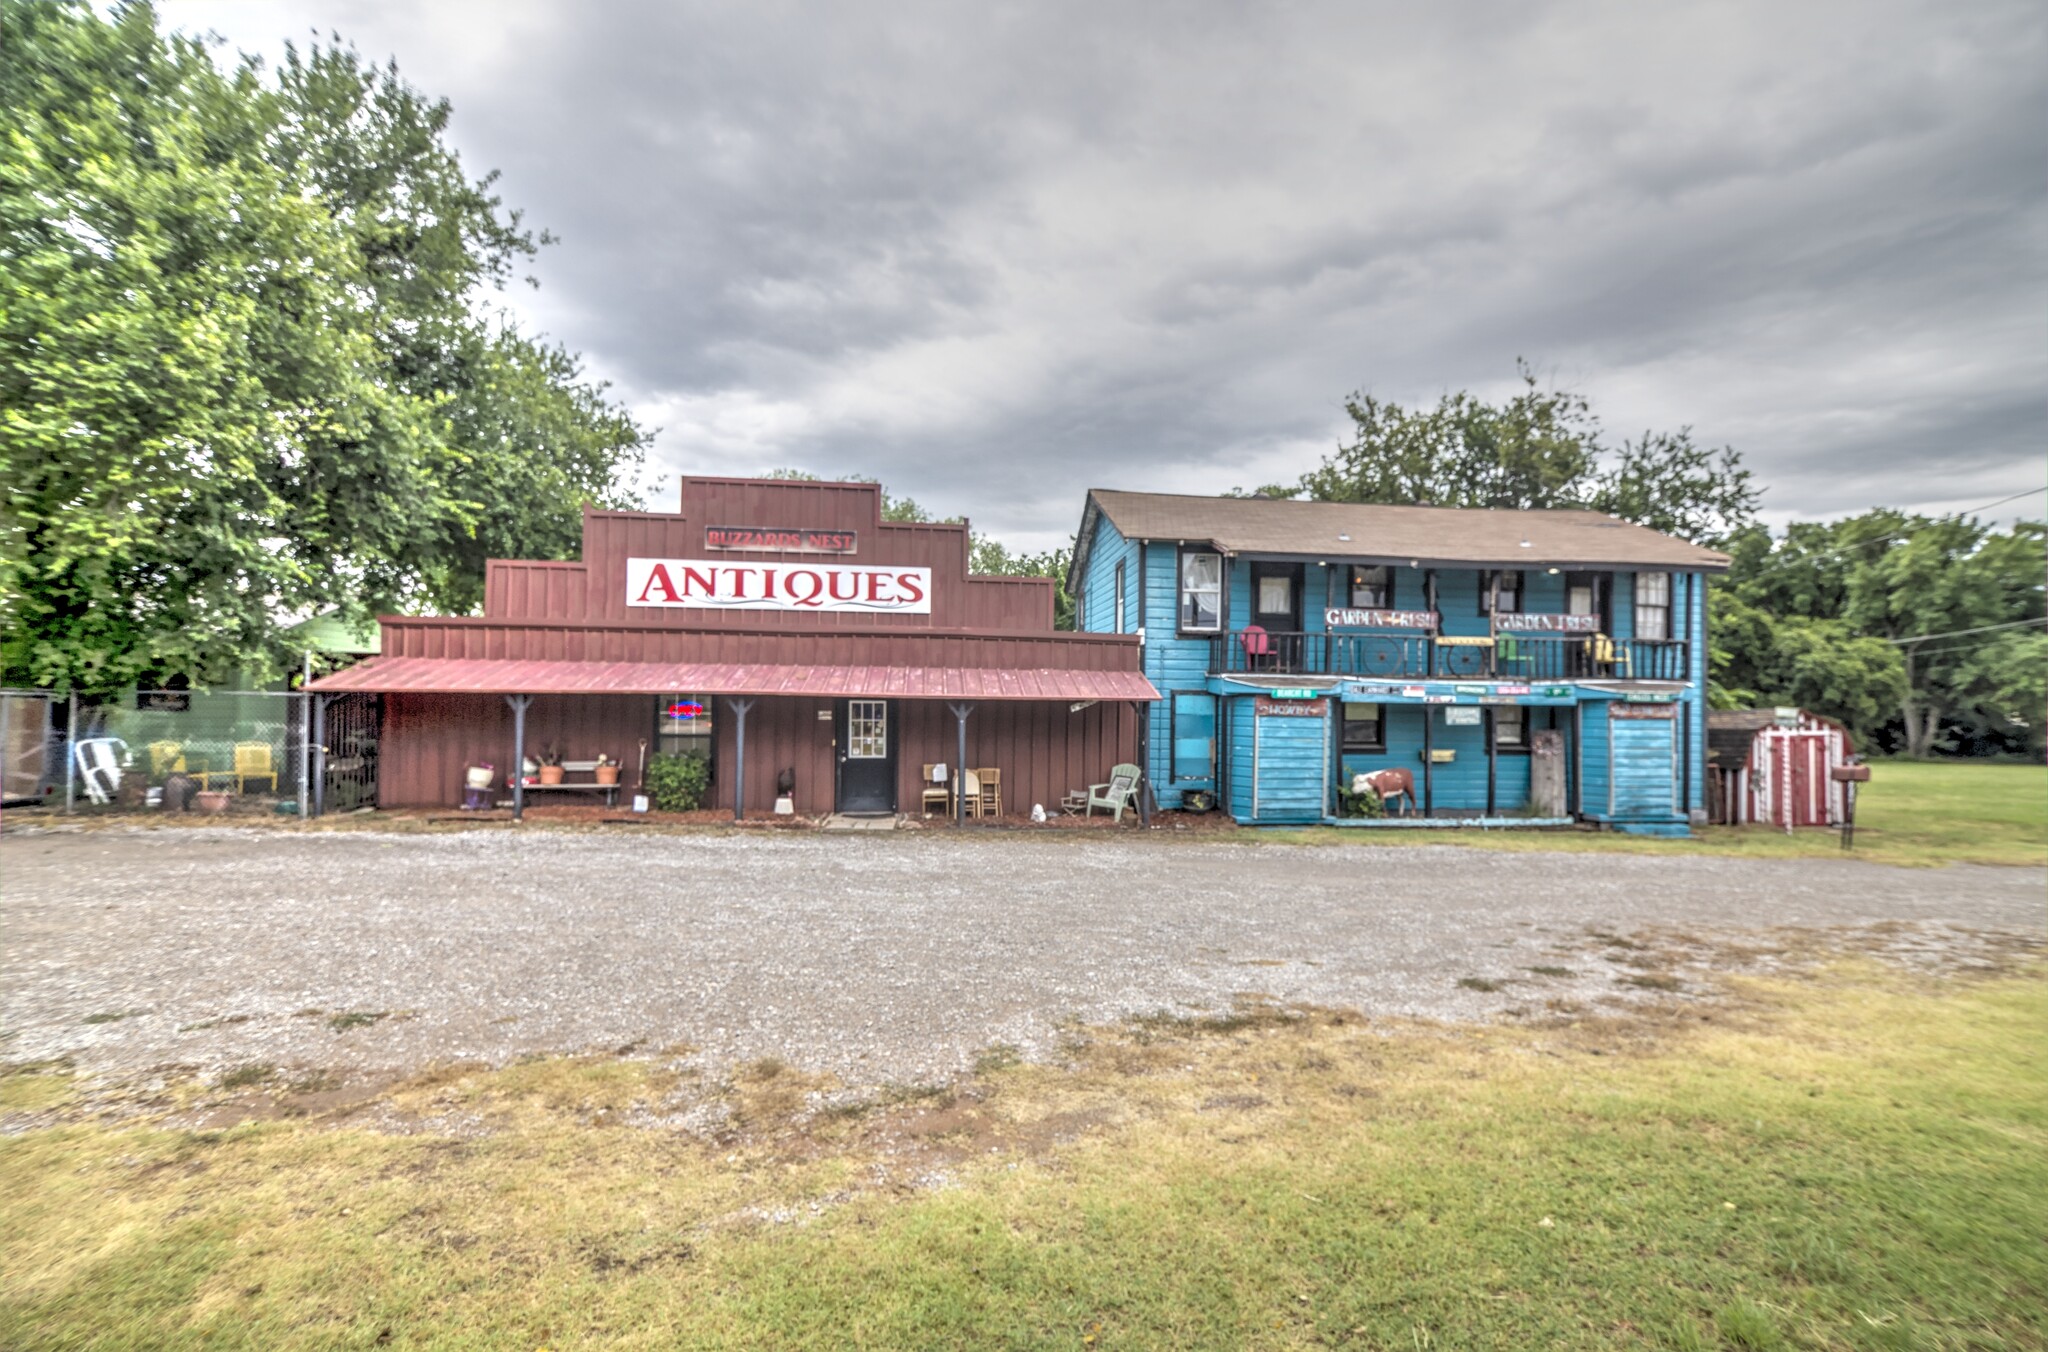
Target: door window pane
x,y
867,729
1194,736
1276,595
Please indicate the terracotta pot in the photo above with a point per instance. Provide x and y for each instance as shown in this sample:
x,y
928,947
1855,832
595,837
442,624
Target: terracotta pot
x,y
550,774
210,800
606,774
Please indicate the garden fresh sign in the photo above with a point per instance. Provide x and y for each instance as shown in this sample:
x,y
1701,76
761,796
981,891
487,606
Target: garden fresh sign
x,y
711,584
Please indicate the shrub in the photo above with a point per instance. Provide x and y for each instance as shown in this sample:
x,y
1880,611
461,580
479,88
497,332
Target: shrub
x,y
678,783
1365,804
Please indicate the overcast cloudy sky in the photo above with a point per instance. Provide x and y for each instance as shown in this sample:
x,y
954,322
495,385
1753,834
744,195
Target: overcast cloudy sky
x,y
997,255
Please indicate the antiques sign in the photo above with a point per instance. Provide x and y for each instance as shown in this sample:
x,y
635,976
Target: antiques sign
x,y
1345,617
708,584
770,540
1266,707
1547,624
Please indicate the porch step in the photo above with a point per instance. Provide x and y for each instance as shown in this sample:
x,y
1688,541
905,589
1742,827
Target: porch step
x,y
840,821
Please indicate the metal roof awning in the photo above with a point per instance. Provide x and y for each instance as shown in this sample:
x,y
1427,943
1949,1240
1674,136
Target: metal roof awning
x,y
514,676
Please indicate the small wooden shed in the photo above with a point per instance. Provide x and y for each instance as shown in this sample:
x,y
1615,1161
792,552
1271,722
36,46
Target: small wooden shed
x,y
1774,767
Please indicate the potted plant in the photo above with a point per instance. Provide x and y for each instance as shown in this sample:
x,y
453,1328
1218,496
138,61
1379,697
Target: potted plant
x,y
550,759
607,770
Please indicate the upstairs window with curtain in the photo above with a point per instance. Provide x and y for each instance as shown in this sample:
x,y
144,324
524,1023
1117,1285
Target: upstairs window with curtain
x,y
1653,605
1201,593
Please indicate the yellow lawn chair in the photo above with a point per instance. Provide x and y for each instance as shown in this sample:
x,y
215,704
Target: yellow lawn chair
x,y
253,761
166,758
1609,657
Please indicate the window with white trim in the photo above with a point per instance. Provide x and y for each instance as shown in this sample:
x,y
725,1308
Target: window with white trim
x,y
1653,605
1119,596
1201,593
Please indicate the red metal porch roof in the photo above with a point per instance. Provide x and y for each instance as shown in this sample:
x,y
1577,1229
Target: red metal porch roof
x,y
511,676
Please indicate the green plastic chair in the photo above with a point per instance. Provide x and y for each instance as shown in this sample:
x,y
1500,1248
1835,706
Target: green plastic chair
x,y
1119,793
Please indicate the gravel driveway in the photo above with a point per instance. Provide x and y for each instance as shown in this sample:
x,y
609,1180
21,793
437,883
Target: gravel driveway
x,y
876,957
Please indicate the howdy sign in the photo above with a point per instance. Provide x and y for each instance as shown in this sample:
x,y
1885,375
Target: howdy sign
x,y
1547,624
766,540
1266,707
1346,617
705,584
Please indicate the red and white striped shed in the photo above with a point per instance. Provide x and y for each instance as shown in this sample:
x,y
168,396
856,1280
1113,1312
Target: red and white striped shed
x,y
1774,767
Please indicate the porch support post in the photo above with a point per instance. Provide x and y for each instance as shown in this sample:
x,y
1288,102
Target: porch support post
x,y
1578,765
71,754
1492,757
739,756
1428,760
1144,761
519,704
960,716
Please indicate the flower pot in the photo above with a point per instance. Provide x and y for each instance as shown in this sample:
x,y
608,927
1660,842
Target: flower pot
x,y
606,774
210,800
550,774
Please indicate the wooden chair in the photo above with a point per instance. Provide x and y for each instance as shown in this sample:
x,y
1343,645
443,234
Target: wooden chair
x,y
991,792
935,793
969,788
1121,791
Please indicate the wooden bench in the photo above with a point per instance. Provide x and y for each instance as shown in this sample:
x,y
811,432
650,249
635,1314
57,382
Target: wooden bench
x,y
569,767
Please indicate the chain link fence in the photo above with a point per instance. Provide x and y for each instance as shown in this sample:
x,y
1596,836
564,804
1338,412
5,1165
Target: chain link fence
x,y
240,752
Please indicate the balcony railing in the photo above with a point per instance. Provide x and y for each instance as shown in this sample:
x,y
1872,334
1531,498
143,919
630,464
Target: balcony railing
x,y
1509,657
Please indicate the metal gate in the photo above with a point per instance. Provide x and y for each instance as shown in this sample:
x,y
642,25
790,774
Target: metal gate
x,y
350,732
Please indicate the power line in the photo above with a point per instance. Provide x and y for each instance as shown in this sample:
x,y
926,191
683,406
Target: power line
x,y
1773,559
1980,629
1917,653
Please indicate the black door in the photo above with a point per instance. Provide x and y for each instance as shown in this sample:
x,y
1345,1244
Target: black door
x,y
866,734
1276,608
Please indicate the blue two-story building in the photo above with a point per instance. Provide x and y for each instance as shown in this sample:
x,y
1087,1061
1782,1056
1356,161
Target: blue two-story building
x,y
1523,667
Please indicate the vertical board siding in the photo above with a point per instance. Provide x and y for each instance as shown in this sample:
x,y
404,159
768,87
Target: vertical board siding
x,y
1293,766
1644,766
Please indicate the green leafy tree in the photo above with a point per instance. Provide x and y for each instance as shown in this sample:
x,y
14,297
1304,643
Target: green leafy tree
x,y
1812,603
216,407
1541,448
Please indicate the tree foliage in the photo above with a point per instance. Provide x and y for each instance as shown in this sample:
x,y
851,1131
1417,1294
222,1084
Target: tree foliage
x,y
1861,619
1541,448
244,373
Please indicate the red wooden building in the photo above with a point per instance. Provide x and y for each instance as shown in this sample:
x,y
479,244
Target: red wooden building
x,y
781,629
1775,767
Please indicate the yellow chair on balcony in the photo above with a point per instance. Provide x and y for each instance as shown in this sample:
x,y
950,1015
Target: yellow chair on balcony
x,y
1608,657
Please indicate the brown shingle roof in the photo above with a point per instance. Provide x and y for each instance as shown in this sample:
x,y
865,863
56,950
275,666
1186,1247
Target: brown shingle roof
x,y
1428,534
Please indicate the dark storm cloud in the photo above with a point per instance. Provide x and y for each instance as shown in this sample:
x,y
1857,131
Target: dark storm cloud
x,y
996,255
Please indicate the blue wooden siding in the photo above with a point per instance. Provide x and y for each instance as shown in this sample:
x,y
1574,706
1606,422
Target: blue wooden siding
x,y
1286,784
1098,588
1644,768
1173,662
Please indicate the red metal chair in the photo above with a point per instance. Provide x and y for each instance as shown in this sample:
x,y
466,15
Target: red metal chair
x,y
1257,644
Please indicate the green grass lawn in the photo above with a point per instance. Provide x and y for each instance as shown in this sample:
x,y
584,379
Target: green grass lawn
x,y
1911,812
1858,1160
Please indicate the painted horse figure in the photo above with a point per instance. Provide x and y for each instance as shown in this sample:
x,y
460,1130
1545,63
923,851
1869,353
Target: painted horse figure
x,y
1389,785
